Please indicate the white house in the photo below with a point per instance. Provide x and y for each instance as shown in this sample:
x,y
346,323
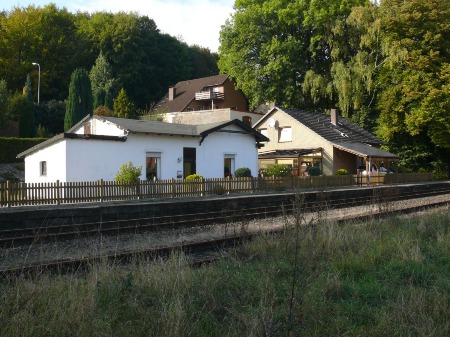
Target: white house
x,y
97,147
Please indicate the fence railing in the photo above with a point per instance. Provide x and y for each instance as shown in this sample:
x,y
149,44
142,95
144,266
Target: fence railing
x,y
23,194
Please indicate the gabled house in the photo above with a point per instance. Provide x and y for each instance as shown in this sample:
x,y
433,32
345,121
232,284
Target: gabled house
x,y
97,147
205,100
304,139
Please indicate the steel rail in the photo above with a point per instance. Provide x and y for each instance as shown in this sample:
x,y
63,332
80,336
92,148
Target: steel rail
x,y
15,237
193,248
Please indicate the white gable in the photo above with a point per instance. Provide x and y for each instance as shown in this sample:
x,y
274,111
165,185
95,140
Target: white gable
x,y
100,127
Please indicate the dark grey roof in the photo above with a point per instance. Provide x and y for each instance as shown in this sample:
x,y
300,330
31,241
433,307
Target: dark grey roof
x,y
345,130
68,135
144,126
185,92
201,130
150,127
364,150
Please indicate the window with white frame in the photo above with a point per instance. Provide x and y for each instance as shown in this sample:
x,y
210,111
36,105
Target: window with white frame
x,y
43,168
153,165
285,134
228,164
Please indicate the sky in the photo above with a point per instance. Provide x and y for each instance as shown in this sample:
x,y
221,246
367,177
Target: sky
x,y
192,21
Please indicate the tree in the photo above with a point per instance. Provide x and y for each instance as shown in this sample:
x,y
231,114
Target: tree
x,y
79,103
102,82
21,108
415,101
123,106
281,50
5,98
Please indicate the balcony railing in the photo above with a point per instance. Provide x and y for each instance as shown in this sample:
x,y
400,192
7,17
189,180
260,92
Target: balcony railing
x,y
207,95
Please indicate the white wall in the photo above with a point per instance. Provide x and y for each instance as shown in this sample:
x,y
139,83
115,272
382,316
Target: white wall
x,y
93,159
56,163
210,157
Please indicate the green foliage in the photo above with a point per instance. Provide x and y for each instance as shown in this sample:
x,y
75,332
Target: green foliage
x,y
41,131
79,103
281,50
103,111
11,147
5,98
133,45
341,172
123,106
313,171
278,170
128,174
242,172
194,176
50,114
104,86
20,108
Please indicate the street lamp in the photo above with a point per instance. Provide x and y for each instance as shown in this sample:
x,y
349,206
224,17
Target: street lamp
x,y
39,78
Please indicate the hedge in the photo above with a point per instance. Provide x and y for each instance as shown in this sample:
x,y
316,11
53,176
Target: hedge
x,y
11,147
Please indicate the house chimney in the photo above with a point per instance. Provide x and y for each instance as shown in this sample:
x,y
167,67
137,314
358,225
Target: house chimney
x,y
334,116
172,93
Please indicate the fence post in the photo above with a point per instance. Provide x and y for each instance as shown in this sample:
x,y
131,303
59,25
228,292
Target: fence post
x,y
172,180
202,186
229,184
8,193
58,194
100,182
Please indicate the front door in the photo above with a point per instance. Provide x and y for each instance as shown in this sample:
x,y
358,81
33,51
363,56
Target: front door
x,y
189,160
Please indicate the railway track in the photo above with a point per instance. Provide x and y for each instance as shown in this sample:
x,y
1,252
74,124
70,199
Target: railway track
x,y
25,236
381,205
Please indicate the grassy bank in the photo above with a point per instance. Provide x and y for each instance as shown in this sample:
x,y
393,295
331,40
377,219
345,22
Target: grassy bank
x,y
388,278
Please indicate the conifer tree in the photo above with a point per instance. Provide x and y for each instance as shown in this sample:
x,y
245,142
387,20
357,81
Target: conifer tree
x,y
123,106
79,103
104,86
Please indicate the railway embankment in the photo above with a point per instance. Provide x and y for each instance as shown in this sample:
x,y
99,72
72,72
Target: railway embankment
x,y
39,217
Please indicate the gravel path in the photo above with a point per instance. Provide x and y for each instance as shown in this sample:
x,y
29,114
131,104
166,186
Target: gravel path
x,y
115,244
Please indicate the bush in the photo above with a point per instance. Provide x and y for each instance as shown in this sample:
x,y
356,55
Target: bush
x,y
341,172
243,172
219,189
194,176
313,171
128,174
278,170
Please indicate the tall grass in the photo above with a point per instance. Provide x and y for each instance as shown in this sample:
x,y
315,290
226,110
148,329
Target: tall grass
x,y
381,278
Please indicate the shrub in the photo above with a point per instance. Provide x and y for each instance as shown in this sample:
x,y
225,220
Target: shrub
x,y
194,176
313,171
128,174
278,170
243,172
219,189
341,172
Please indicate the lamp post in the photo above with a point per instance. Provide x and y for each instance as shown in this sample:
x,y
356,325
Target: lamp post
x,y
39,78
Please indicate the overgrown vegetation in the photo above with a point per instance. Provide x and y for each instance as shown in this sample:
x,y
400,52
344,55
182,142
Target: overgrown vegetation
x,y
388,278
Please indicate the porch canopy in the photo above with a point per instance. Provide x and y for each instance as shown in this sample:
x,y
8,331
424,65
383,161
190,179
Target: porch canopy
x,y
291,153
369,153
